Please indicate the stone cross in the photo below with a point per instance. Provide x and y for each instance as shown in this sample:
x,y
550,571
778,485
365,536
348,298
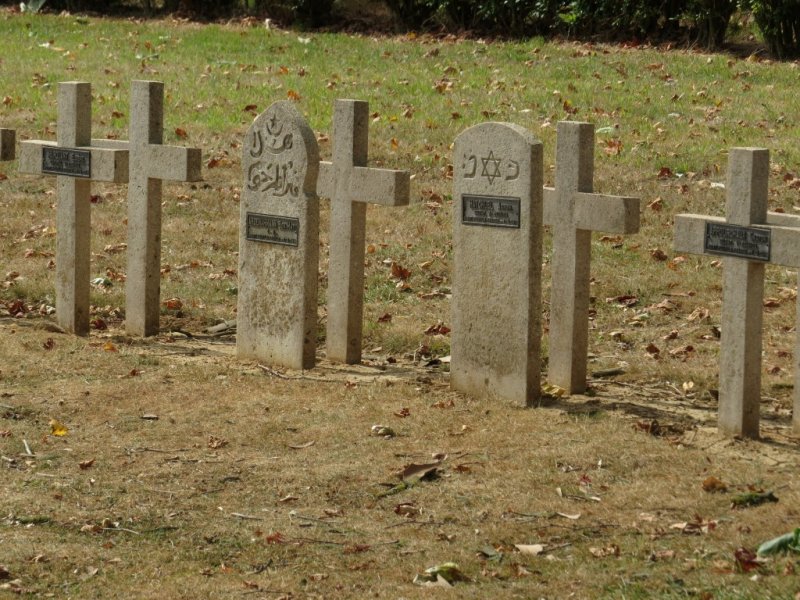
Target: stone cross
x,y
150,163
76,160
573,212
749,238
497,261
8,140
279,241
350,185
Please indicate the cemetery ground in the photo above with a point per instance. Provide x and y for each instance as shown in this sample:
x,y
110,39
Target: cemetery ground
x,y
165,467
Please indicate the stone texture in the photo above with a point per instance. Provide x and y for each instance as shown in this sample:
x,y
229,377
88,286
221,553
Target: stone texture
x,y
573,212
497,261
109,162
151,162
8,143
279,264
350,185
743,286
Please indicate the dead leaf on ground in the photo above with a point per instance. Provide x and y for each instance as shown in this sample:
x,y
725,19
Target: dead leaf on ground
x,y
407,509
711,484
215,442
399,271
414,471
610,550
86,464
57,428
746,560
531,549
695,527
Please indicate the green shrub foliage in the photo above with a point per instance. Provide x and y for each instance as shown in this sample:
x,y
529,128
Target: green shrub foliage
x,y
779,23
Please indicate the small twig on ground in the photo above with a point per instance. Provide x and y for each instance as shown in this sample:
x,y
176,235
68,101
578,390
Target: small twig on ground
x,y
7,407
315,541
146,449
412,522
279,375
121,529
304,518
246,517
27,448
273,372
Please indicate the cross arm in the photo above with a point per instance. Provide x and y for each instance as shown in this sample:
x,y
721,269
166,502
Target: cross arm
x,y
690,231
376,186
174,163
597,212
108,163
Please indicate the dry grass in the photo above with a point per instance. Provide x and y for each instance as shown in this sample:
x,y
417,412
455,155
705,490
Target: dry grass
x,y
155,513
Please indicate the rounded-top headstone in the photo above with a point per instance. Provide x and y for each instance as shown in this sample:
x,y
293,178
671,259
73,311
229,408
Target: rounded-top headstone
x,y
497,248
279,240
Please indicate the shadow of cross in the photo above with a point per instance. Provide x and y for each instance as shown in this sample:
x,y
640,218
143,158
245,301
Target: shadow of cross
x,y
76,160
572,211
8,141
350,185
150,163
749,238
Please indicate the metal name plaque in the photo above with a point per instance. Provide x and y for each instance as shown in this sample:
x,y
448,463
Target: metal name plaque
x,y
67,161
737,240
491,211
273,229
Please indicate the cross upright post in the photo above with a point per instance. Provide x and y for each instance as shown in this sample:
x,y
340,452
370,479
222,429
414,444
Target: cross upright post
x,y
748,238
76,160
8,139
150,163
350,185
573,212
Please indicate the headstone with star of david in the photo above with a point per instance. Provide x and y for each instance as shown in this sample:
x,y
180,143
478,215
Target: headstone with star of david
x,y
497,261
276,321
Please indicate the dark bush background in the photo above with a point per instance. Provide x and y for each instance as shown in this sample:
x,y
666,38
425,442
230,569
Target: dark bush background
x,y
704,23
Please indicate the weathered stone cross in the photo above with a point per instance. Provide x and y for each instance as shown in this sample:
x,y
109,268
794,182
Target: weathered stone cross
x,y
8,140
150,163
77,160
786,220
749,238
573,212
350,185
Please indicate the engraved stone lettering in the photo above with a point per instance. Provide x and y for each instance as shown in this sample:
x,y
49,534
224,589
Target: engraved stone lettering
x,y
473,162
67,161
273,229
736,240
513,171
490,211
274,171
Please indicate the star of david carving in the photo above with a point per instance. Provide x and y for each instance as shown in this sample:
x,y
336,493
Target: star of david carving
x,y
491,172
